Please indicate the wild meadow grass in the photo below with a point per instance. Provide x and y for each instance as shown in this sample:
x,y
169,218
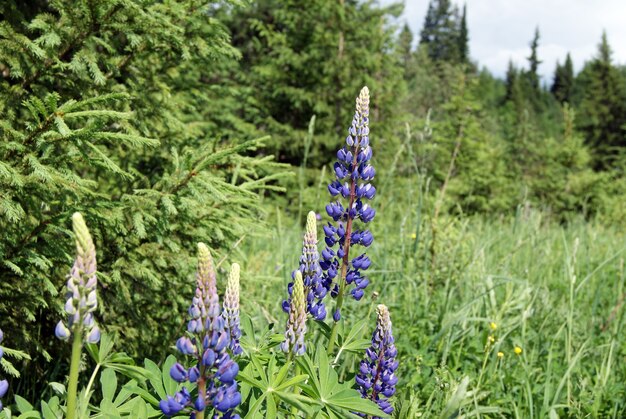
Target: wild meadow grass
x,y
516,317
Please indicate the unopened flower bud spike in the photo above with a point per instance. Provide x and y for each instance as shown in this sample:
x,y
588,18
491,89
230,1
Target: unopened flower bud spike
x,y
80,305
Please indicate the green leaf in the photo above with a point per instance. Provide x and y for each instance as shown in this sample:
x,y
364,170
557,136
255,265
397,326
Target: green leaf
x,y
109,383
351,400
22,404
58,388
109,410
338,400
154,376
169,384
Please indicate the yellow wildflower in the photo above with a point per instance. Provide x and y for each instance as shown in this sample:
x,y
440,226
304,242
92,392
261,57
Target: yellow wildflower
x,y
491,339
500,354
413,236
517,350
493,326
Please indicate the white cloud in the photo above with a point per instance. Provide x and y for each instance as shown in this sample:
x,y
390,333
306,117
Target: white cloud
x,y
501,30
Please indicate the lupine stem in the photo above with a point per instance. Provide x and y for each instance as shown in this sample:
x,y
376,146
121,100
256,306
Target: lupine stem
x,y
92,378
201,391
296,391
377,375
77,346
345,261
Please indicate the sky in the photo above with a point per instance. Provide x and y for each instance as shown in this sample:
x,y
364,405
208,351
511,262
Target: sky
x,y
501,30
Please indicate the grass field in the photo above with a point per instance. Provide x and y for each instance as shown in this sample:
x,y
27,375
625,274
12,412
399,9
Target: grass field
x,y
511,317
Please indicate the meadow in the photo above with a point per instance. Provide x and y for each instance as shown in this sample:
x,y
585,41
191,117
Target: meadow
x,y
198,223
518,317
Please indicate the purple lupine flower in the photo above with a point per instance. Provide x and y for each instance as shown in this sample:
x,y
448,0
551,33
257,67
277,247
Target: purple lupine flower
x,y
351,189
214,371
296,322
81,299
311,273
231,309
4,384
376,377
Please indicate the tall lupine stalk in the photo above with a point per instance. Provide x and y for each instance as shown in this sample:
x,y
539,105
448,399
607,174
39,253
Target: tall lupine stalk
x,y
4,384
80,304
207,343
295,330
314,289
231,309
376,377
353,173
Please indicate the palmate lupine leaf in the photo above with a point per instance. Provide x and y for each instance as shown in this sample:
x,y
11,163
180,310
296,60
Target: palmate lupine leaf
x,y
339,399
270,385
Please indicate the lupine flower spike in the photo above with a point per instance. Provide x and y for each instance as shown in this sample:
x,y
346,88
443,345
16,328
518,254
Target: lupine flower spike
x,y
231,309
311,271
296,323
81,300
207,343
350,190
4,384
376,377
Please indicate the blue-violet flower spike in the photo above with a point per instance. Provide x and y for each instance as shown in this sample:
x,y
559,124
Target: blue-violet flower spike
x,y
314,288
376,378
350,192
210,333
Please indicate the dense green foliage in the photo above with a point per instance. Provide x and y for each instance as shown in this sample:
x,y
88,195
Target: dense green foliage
x,y
107,109
169,123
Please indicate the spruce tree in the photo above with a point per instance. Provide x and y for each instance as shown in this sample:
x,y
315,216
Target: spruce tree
x,y
563,82
463,40
405,50
440,34
110,109
513,89
532,75
603,108
307,58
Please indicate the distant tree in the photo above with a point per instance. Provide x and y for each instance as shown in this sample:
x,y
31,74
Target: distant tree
x,y
603,108
440,34
463,40
405,50
307,57
513,92
563,83
532,75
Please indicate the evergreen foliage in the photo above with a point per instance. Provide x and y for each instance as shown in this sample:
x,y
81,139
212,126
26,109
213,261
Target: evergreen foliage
x,y
603,109
463,40
444,34
563,82
405,51
307,58
532,74
108,109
